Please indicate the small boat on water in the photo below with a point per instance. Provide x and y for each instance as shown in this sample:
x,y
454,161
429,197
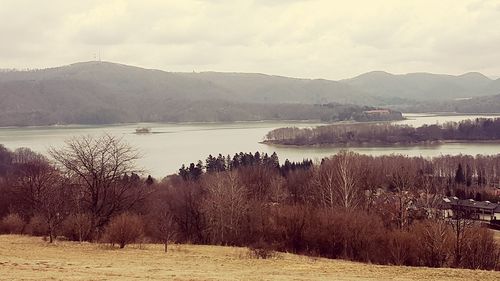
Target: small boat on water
x,y
143,130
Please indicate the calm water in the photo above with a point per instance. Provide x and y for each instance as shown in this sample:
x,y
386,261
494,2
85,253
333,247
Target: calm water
x,y
175,144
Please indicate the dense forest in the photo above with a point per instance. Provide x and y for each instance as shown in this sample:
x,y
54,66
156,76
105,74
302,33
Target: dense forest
x,y
382,210
189,111
481,129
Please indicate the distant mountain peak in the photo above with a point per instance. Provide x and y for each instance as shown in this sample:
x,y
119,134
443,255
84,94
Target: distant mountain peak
x,y
476,75
374,74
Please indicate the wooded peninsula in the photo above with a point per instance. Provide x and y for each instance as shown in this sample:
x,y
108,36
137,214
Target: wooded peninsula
x,y
480,129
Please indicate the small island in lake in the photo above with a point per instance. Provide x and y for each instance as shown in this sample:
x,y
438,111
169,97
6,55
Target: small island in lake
x,y
481,129
143,130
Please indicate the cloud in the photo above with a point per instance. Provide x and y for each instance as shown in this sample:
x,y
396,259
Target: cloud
x,y
314,38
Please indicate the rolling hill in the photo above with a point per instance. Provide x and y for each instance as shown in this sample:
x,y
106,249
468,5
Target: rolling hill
x,y
103,92
423,86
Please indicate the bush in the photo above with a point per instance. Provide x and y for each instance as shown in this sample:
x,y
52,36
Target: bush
x,y
12,224
37,226
77,227
435,243
261,250
480,250
124,229
401,247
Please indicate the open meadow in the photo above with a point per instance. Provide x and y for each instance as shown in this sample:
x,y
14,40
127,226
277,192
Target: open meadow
x,y
30,258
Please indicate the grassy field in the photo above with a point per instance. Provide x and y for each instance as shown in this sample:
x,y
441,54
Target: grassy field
x,y
496,235
30,258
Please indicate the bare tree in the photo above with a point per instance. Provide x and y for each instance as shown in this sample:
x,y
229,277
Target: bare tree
x,y
338,182
461,224
403,183
435,242
347,180
225,205
430,194
324,181
42,189
164,227
98,167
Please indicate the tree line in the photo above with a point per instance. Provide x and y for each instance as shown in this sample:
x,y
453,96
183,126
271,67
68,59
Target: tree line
x,y
381,210
480,129
483,104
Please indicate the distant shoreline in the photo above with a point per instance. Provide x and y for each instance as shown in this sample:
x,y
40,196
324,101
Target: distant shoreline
x,y
378,145
310,121
303,121
445,113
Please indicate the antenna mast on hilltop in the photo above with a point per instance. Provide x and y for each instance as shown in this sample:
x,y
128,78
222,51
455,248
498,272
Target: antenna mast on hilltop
x,y
97,56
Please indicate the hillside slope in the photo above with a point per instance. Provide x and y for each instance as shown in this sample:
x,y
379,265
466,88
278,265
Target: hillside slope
x,y
29,258
128,81
423,86
102,92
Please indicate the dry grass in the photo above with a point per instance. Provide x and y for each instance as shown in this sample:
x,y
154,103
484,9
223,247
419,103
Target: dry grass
x,y
496,235
29,258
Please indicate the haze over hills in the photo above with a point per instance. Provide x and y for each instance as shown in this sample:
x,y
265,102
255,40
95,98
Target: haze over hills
x,y
483,104
236,87
102,92
251,87
424,86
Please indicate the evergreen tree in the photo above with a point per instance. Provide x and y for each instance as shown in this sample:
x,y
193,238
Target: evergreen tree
x,y
468,175
150,180
459,175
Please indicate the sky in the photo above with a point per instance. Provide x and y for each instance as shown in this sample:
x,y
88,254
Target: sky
x,y
311,38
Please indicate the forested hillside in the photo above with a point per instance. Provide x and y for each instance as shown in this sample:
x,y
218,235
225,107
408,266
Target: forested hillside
x,y
103,92
483,104
100,92
423,86
482,129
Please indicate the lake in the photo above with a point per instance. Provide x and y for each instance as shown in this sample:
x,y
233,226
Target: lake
x,y
172,145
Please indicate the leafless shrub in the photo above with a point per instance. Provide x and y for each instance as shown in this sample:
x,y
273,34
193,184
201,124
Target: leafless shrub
x,y
37,226
401,247
261,250
480,249
13,224
435,240
77,227
124,229
350,235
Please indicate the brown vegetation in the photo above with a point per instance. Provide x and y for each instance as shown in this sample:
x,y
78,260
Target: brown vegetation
x,y
29,258
383,134
382,210
124,229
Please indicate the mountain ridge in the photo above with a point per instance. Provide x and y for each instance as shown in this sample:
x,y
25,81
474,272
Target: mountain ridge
x,y
96,92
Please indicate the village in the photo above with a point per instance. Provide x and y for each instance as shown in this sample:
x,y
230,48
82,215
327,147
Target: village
x,y
484,211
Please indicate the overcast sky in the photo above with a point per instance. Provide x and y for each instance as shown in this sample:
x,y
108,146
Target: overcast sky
x,y
313,39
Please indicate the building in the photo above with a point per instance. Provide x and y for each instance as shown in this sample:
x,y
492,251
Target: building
x,y
452,207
